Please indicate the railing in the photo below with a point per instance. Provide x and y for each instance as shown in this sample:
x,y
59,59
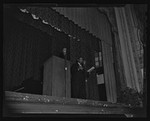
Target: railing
x,y
23,103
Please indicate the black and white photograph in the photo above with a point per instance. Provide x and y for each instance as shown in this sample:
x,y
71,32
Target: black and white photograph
x,y
74,60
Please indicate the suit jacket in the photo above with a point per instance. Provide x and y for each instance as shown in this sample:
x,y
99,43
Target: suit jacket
x,y
78,75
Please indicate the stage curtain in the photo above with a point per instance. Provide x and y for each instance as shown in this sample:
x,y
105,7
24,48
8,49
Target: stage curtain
x,y
132,74
109,74
89,19
135,41
118,64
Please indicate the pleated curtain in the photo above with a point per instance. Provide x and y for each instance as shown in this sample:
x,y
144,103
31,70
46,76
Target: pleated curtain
x,y
133,31
131,73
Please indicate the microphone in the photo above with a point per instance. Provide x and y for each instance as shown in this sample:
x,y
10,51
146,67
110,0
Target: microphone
x,y
84,62
65,57
65,64
64,51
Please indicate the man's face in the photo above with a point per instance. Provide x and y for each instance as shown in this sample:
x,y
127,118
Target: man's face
x,y
80,60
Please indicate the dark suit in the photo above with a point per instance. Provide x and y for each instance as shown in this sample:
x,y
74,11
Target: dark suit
x,y
78,77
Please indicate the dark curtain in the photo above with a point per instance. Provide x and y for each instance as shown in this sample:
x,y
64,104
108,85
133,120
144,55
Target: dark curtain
x,y
75,47
27,44
60,41
24,51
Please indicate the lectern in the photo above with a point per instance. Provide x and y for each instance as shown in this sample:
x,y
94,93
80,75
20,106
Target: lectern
x,y
56,80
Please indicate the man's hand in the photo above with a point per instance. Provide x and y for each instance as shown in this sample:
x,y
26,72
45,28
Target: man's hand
x,y
80,68
84,62
91,69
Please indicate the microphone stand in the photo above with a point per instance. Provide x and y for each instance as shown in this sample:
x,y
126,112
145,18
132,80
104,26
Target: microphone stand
x,y
86,84
65,72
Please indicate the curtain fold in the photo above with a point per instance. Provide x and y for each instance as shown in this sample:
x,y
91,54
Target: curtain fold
x,y
119,71
109,75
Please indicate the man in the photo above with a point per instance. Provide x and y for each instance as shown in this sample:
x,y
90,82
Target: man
x,y
78,78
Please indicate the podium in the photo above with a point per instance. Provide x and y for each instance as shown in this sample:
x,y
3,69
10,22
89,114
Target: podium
x,y
56,79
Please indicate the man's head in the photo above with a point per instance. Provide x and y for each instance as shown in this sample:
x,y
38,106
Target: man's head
x,y
80,60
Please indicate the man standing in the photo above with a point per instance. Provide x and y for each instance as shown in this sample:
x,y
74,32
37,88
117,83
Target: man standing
x,y
78,78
